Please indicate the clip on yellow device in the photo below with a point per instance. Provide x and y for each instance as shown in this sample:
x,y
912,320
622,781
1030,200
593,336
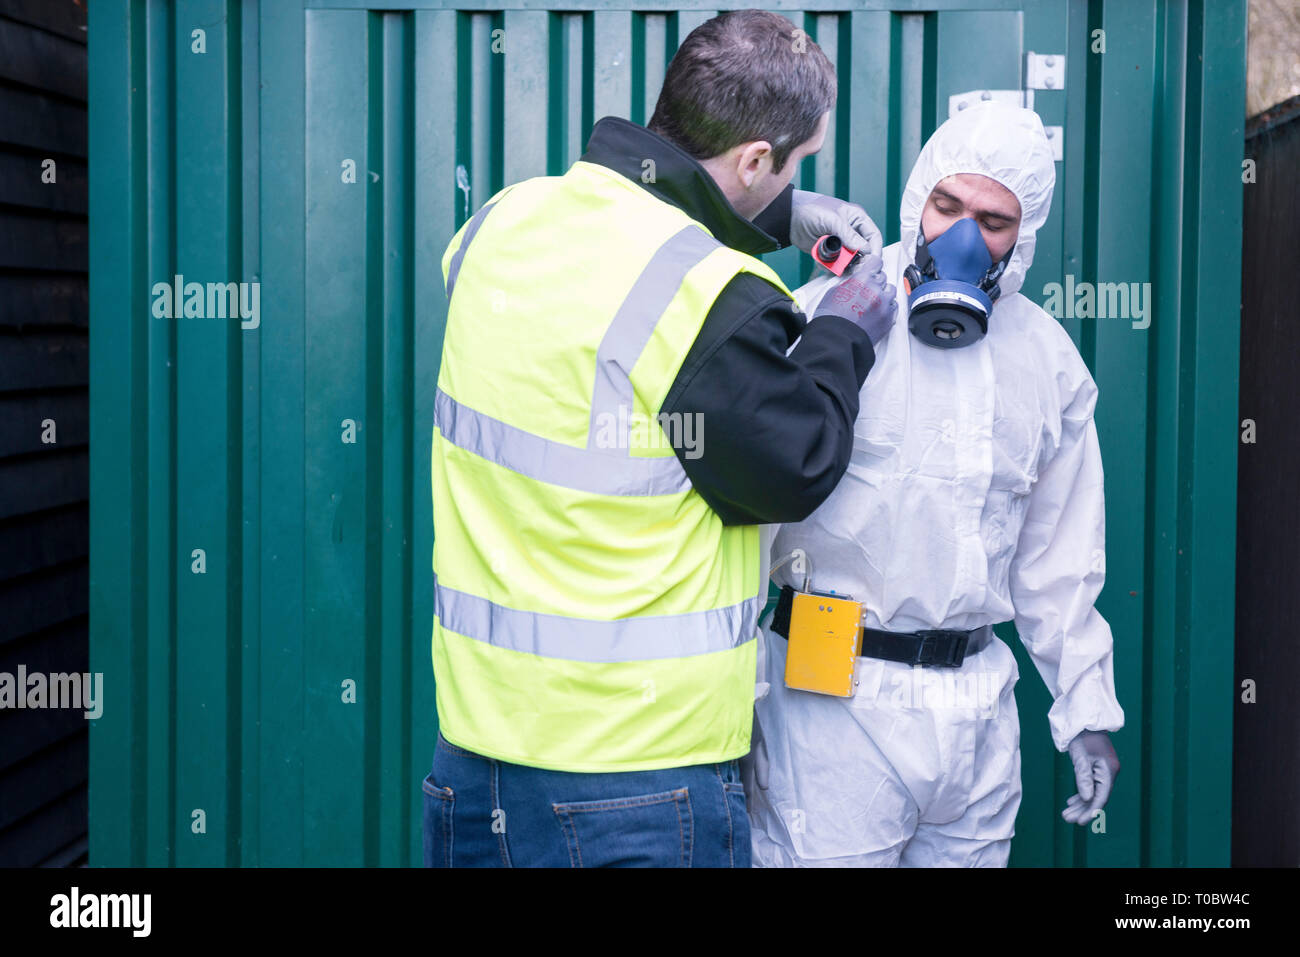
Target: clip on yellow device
x,y
824,643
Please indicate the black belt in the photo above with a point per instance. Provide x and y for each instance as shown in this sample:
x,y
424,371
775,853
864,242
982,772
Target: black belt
x,y
940,648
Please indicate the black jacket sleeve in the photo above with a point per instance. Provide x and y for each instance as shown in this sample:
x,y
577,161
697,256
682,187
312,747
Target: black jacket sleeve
x,y
773,433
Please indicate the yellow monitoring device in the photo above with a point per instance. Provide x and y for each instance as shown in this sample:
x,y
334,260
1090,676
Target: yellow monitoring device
x,y
824,643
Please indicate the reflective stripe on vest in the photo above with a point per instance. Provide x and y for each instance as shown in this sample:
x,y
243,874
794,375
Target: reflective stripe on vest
x,y
603,471
586,639
453,270
635,320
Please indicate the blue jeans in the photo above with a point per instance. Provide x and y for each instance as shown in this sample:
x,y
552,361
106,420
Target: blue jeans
x,y
480,812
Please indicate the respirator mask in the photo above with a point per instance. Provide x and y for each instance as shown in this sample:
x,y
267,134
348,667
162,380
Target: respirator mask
x,y
952,287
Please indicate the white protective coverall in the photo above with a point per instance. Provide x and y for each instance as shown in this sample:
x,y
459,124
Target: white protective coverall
x,y
973,496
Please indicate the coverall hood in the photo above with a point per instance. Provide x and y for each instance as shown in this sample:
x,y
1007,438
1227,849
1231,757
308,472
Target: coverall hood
x,y
1005,143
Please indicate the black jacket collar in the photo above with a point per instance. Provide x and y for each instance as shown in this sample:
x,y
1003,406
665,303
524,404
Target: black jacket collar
x,y
624,146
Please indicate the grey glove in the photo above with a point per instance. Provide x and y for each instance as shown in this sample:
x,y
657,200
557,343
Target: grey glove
x,y
864,298
1095,767
813,215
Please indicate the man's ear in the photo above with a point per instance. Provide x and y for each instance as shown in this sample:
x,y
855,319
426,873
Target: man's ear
x,y
754,158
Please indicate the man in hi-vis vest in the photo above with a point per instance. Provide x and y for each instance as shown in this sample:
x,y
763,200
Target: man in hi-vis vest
x,y
618,410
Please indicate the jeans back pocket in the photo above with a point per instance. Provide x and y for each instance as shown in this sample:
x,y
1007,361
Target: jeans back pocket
x,y
647,830
738,811
439,805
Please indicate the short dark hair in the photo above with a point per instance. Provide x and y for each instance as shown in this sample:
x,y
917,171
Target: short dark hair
x,y
745,75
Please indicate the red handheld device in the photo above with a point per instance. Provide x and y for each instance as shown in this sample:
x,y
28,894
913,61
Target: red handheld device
x,y
833,254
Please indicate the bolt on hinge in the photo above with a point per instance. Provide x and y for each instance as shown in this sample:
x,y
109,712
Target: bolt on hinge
x,y
1044,71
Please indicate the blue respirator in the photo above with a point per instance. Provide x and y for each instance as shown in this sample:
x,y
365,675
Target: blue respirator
x,y
952,287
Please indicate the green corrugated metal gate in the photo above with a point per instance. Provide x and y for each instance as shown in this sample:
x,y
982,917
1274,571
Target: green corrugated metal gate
x,y
260,517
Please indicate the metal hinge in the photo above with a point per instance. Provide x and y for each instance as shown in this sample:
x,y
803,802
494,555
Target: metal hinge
x,y
1044,71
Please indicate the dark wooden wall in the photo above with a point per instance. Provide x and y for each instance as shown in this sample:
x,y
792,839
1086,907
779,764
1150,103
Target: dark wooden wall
x,y
44,368
1266,734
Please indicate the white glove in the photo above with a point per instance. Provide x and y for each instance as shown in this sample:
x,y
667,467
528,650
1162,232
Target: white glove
x,y
1095,767
813,215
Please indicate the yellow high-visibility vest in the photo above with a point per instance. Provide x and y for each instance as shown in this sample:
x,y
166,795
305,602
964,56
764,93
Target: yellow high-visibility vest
x,y
592,613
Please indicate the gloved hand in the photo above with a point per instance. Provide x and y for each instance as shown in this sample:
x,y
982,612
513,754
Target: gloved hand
x,y
1095,767
864,298
813,215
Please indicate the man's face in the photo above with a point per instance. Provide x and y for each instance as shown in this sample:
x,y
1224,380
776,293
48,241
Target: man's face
x,y
774,183
970,195
744,173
